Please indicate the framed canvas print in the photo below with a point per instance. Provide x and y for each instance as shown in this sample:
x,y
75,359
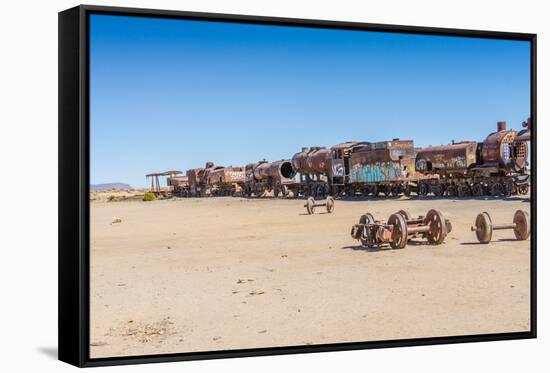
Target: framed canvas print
x,y
236,186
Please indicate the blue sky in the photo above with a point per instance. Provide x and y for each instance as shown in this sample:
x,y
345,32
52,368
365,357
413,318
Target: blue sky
x,y
173,94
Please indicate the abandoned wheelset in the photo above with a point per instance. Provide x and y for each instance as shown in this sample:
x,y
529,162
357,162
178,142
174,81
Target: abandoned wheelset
x,y
400,228
311,205
484,226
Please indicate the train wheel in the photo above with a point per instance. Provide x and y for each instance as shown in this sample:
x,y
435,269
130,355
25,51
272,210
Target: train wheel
x,y
326,190
399,235
509,187
423,189
407,190
285,191
405,214
375,190
464,190
523,189
437,190
396,190
478,190
368,218
451,191
497,189
438,229
387,190
522,229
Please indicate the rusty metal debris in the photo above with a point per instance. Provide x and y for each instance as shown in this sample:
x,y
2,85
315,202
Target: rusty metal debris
x,y
400,228
311,205
484,226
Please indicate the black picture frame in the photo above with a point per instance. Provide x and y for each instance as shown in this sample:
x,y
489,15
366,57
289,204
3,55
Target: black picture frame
x,y
73,250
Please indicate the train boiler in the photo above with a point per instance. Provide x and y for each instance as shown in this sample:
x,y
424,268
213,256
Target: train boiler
x,y
276,177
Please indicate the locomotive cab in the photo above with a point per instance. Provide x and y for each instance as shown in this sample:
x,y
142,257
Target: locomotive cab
x,y
502,151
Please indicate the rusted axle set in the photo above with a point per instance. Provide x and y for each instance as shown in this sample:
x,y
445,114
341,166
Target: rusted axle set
x,y
400,228
311,205
484,226
433,227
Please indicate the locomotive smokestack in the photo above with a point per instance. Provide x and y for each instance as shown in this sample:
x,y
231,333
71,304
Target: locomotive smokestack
x,y
501,126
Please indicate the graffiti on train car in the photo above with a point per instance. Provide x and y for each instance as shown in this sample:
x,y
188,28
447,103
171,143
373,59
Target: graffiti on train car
x,y
374,172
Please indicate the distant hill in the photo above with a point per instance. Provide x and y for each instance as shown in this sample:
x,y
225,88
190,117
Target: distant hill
x,y
94,187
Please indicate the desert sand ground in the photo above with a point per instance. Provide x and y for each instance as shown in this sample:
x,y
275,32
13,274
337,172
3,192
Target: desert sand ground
x,y
186,275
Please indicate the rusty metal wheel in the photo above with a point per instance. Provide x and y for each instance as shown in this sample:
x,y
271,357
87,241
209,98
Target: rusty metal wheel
x,y
423,189
438,229
509,187
437,189
405,214
276,191
523,189
330,204
395,190
399,236
285,191
464,190
367,218
522,229
497,189
484,227
478,190
310,205
451,191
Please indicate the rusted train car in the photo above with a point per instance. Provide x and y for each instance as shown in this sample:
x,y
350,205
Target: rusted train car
x,y
358,168
179,185
323,171
226,181
384,167
264,177
197,178
496,166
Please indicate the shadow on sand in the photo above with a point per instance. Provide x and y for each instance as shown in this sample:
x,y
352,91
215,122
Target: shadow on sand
x,y
50,352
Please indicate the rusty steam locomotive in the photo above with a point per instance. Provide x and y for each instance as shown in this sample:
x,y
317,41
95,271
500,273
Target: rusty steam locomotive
x,y
496,166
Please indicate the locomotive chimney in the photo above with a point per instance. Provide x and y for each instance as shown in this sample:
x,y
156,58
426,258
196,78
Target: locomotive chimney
x,y
501,126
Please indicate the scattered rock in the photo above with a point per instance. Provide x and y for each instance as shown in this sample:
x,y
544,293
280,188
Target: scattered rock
x,y
116,220
257,292
263,331
145,333
243,280
216,338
